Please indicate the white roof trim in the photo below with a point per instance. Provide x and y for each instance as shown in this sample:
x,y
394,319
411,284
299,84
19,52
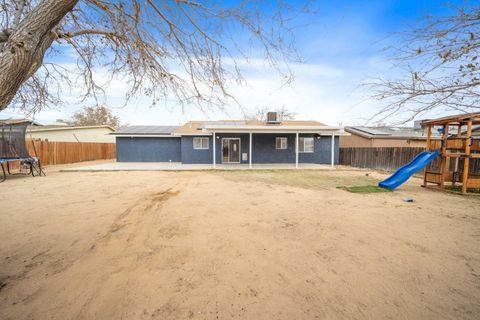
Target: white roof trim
x,y
271,128
323,133
336,133
321,130
144,136
200,133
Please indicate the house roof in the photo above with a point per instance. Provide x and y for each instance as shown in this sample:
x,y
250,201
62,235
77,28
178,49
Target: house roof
x,y
145,131
385,132
66,128
14,121
206,127
199,128
191,127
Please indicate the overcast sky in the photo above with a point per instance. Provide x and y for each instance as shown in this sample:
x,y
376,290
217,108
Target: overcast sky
x,y
341,46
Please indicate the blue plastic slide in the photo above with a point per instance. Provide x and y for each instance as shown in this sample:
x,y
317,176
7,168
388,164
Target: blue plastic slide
x,y
406,171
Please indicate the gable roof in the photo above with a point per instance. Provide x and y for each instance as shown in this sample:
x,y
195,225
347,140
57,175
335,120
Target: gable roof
x,y
145,130
385,132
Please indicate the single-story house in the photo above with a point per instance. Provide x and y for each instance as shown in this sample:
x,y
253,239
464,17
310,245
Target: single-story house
x,y
231,142
65,133
383,136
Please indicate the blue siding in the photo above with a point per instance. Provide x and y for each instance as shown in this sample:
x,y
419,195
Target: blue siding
x,y
264,150
148,149
190,155
322,151
324,145
181,149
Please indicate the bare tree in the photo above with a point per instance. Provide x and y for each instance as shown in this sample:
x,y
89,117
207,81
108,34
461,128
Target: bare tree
x,y
94,116
179,49
260,113
441,63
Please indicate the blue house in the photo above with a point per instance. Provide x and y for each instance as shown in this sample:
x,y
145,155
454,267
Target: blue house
x,y
231,142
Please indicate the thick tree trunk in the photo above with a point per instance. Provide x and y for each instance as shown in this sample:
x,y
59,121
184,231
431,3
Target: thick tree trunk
x,y
23,52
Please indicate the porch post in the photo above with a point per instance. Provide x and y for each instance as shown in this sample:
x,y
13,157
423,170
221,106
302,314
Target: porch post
x,y
250,152
333,150
214,143
296,151
466,160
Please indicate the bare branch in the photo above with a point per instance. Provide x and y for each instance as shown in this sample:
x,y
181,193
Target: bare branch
x,y
441,61
71,34
184,51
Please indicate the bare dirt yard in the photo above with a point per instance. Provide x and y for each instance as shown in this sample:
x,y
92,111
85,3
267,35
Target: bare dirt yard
x,y
240,244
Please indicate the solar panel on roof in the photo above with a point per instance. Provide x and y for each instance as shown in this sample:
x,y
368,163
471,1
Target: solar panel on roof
x,y
372,131
225,123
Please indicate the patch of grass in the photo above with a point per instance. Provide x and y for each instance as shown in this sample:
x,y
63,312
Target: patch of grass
x,y
307,179
365,189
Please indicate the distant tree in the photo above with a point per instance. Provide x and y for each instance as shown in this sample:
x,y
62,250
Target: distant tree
x,y
95,116
260,113
183,50
441,62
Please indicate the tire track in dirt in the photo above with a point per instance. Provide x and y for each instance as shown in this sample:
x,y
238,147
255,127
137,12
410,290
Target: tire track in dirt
x,y
126,245
103,270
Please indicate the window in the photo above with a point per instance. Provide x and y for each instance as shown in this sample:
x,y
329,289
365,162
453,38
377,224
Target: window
x,y
305,144
281,143
200,143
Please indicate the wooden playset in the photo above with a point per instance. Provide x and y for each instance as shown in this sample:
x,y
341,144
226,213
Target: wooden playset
x,y
460,151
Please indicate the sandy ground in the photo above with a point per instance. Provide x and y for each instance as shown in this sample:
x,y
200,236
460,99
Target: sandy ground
x,y
207,245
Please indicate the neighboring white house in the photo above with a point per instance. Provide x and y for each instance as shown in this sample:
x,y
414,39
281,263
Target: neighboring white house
x,y
62,133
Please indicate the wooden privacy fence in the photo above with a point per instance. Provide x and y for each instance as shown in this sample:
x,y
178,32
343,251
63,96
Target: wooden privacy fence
x,y
390,159
51,152
378,158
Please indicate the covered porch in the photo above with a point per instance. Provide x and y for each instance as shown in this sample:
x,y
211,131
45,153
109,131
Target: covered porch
x,y
251,147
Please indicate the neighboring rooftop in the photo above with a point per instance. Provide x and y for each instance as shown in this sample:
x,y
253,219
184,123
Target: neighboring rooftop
x,y
475,130
385,132
38,128
146,130
15,121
